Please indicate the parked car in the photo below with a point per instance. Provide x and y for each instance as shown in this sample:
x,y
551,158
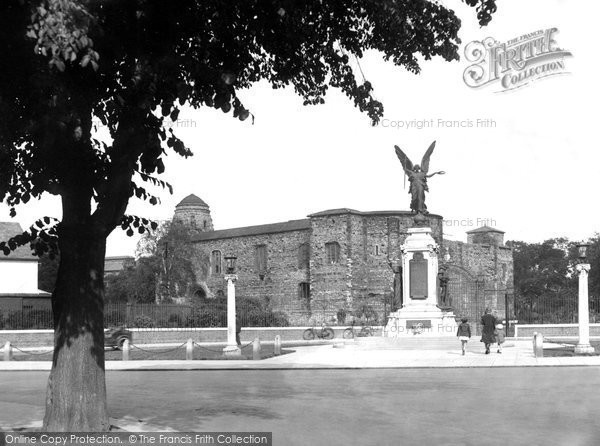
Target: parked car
x,y
116,336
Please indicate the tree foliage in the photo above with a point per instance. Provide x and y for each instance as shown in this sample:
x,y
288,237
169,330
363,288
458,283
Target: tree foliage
x,y
546,279
130,65
134,283
70,67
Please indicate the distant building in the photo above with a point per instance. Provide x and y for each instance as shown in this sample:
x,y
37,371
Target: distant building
x,y
340,260
19,277
114,265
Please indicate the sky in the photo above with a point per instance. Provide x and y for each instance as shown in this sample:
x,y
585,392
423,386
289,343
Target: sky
x,y
532,172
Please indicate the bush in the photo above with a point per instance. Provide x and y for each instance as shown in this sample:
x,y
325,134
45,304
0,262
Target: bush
x,y
208,317
114,318
30,320
175,320
143,321
250,313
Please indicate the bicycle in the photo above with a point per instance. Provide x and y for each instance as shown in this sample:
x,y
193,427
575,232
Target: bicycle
x,y
323,333
351,333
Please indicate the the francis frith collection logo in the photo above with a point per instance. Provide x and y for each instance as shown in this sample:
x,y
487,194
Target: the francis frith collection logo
x,y
515,63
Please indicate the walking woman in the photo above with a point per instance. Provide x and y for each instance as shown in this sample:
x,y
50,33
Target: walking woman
x,y
488,322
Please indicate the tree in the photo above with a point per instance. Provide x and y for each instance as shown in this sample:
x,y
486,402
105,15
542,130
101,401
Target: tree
x,y
544,273
135,283
47,272
171,248
130,65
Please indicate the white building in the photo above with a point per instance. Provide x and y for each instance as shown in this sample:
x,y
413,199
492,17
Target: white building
x,y
19,276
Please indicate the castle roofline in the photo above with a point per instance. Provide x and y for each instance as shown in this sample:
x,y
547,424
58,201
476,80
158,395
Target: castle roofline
x,y
192,200
485,229
272,228
342,211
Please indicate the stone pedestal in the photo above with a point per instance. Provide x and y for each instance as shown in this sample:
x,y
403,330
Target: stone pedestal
x,y
420,314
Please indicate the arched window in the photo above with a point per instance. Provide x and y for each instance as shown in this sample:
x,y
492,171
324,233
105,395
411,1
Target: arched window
x,y
215,262
332,252
376,251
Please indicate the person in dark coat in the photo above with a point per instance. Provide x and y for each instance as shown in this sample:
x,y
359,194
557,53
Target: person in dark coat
x,y
464,333
488,322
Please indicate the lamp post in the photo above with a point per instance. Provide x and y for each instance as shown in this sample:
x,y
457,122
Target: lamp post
x,y
583,344
231,349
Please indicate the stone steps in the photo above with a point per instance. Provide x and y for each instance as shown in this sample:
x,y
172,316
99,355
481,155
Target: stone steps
x,y
408,343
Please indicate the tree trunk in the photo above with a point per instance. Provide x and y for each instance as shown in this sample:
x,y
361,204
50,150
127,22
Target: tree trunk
x,y
76,394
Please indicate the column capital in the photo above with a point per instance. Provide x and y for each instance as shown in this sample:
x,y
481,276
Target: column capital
x,y
231,277
581,267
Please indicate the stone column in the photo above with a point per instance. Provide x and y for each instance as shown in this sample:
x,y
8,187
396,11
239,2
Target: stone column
x,y
231,349
583,345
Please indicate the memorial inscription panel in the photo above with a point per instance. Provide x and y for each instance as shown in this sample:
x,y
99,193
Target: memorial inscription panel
x,y
418,276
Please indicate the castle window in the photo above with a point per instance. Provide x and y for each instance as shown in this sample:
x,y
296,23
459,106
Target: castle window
x,y
193,221
332,250
304,291
204,224
215,262
376,250
260,259
303,255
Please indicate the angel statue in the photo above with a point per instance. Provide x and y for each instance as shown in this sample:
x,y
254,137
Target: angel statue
x,y
417,175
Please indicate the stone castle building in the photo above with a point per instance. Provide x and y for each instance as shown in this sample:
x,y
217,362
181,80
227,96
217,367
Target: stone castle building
x,y
340,261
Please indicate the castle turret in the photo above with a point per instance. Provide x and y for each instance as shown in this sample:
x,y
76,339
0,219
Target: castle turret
x,y
194,211
486,236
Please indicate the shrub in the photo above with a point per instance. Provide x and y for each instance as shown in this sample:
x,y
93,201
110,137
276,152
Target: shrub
x,y
175,320
27,320
143,321
114,318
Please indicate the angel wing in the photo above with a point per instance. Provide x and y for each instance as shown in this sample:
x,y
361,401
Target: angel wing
x,y
406,163
425,161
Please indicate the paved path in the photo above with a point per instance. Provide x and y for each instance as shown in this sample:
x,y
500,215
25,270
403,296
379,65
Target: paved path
x,y
517,353
491,406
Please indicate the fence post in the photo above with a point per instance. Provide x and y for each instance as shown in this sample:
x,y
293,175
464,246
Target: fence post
x,y
189,350
7,351
125,350
538,345
256,349
277,346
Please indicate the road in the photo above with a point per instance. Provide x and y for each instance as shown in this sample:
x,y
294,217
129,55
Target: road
x,y
504,406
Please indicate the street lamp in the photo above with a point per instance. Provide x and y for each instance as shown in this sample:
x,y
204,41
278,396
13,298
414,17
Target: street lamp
x,y
230,264
583,344
582,250
231,349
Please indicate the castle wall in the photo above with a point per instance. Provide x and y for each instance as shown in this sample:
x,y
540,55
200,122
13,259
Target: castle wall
x,y
480,276
279,285
361,275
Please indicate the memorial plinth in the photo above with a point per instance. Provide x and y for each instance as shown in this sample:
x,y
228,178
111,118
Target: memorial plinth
x,y
420,314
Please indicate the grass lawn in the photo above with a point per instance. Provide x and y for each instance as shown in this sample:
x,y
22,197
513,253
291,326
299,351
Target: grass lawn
x,y
166,353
